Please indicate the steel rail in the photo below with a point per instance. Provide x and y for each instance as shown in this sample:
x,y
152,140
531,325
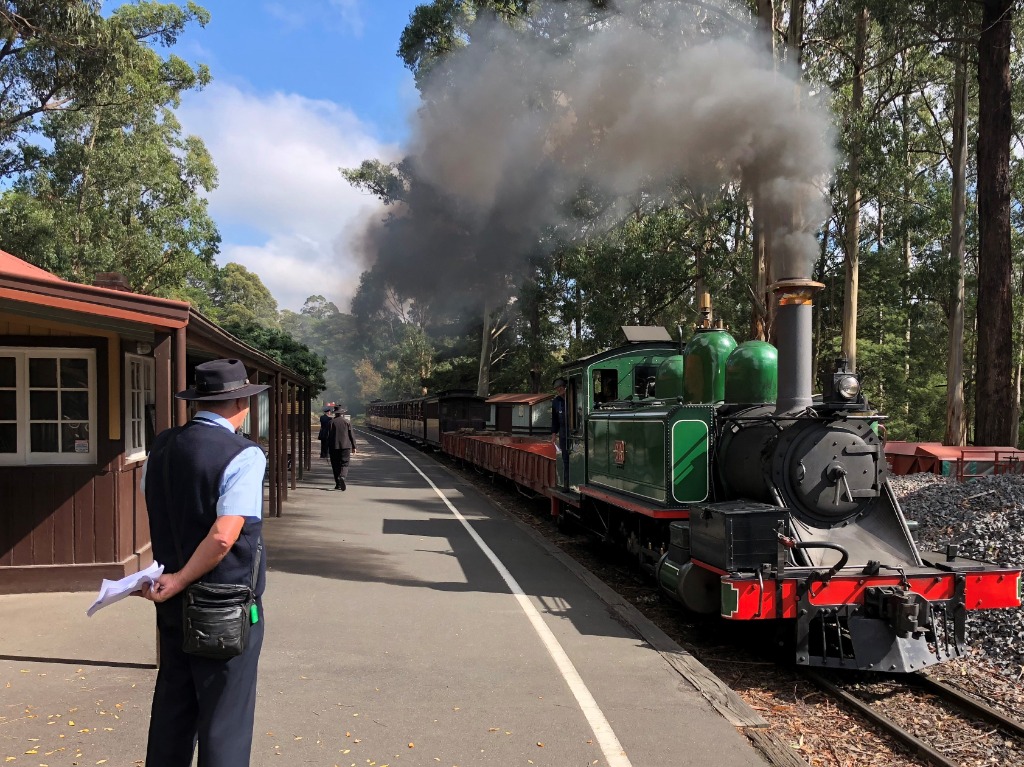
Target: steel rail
x,y
968,703
903,736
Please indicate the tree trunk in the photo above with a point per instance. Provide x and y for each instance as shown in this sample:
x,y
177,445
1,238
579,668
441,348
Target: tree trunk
x,y
993,395
533,323
956,430
1018,373
795,33
853,197
908,175
483,381
578,323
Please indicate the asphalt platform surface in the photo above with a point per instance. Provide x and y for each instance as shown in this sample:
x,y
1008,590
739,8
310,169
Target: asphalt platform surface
x,y
393,638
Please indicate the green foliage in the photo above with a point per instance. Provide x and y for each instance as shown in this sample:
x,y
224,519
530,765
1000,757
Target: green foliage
x,y
439,28
116,187
282,347
386,181
241,299
64,56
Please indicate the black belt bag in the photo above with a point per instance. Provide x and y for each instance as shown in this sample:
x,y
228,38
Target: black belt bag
x,y
217,619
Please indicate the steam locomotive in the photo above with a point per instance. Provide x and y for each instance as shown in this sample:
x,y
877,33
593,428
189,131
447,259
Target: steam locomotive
x,y
748,496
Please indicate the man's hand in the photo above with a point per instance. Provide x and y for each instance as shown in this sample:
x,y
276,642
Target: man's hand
x,y
163,588
211,550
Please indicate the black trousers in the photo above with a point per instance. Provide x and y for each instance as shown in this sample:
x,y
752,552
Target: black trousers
x,y
211,702
339,463
323,447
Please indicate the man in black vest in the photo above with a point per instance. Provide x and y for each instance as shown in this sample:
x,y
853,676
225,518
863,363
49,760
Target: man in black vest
x,y
341,442
204,493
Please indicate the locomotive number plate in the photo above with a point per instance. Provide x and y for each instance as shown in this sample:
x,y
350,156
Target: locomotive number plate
x,y
619,451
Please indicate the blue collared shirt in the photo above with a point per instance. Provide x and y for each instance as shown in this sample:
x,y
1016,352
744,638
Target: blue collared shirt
x,y
241,486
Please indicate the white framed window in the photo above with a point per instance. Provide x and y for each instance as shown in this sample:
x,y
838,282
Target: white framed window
x,y
139,399
47,406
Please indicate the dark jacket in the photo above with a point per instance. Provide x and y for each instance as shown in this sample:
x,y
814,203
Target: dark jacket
x,y
341,436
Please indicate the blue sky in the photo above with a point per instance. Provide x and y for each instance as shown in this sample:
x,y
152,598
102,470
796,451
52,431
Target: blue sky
x,y
300,88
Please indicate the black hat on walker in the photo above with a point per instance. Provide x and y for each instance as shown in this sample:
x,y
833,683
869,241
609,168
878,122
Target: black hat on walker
x,y
221,380
559,382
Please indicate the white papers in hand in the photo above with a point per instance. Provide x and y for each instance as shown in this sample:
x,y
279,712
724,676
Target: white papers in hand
x,y
114,591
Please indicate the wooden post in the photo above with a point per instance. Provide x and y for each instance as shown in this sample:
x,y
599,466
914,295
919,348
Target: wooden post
x,y
309,432
272,448
162,384
282,485
294,422
303,420
305,433
254,425
254,411
180,376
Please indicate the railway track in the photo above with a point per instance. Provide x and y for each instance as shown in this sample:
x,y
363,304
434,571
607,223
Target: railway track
x,y
915,711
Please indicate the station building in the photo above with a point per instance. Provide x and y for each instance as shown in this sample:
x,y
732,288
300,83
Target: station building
x,y
87,379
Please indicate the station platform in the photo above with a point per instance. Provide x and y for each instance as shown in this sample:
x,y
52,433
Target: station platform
x,y
409,622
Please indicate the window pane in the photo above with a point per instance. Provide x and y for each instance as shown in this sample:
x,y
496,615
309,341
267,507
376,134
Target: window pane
x,y
42,406
7,370
74,437
43,438
8,405
74,374
74,405
8,438
42,371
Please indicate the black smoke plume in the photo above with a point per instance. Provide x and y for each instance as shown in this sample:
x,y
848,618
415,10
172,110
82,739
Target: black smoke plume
x,y
630,100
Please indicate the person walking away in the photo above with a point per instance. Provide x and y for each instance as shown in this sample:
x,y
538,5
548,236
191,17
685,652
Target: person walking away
x,y
325,427
342,444
560,430
204,493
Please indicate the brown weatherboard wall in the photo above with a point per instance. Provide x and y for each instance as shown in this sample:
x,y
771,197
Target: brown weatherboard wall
x,y
64,528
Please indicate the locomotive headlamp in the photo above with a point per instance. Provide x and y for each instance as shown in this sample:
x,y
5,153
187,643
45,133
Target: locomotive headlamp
x,y
848,387
845,392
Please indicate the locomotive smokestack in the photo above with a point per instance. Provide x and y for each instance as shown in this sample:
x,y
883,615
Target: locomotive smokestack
x,y
794,341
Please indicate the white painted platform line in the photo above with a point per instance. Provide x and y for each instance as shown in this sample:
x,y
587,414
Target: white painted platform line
x,y
614,754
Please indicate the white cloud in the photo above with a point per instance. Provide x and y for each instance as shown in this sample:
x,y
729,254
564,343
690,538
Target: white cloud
x,y
294,15
278,157
350,15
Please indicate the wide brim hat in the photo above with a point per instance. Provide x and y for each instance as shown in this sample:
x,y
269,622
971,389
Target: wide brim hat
x,y
221,380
